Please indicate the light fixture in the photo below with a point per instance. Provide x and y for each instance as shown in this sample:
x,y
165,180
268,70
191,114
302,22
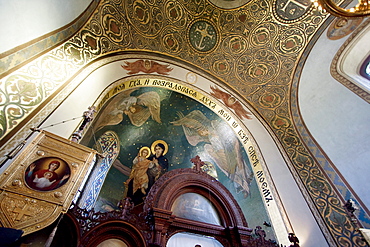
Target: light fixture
x,y
362,9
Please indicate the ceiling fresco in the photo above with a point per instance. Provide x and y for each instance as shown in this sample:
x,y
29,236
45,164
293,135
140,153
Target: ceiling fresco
x,y
187,128
254,48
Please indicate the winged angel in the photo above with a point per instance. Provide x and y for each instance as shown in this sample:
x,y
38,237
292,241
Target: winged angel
x,y
137,108
220,144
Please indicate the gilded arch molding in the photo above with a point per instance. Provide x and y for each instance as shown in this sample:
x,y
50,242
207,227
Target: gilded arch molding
x,y
344,74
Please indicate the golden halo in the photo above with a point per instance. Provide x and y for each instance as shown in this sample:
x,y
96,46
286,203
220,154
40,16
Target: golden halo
x,y
162,142
145,148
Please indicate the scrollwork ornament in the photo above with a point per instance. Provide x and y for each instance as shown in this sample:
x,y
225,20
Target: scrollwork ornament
x,y
139,41
222,65
264,34
316,186
316,172
321,202
290,41
145,17
258,66
175,13
303,173
172,41
92,42
334,201
234,44
259,9
195,7
114,29
227,22
53,67
95,27
270,100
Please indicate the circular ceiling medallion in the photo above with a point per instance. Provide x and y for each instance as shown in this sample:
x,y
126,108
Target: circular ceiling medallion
x,y
289,11
203,36
229,4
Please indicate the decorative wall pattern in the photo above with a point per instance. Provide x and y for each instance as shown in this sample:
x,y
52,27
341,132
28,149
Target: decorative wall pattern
x,y
250,48
109,146
13,59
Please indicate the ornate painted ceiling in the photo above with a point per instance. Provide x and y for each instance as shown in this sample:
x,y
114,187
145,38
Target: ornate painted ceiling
x,y
257,49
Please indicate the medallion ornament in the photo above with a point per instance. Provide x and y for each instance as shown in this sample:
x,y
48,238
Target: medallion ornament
x,y
203,36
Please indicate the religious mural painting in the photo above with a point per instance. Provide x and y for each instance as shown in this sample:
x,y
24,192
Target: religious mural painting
x,y
47,174
147,167
159,130
342,27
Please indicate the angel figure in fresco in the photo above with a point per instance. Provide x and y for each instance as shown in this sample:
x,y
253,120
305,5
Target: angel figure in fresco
x,y
231,102
146,66
220,144
137,108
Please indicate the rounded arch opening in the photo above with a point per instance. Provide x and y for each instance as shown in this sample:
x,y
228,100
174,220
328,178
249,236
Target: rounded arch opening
x,y
120,231
181,181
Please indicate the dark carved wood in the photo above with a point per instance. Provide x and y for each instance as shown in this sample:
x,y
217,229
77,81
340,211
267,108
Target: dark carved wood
x,y
171,185
122,222
119,229
153,223
198,163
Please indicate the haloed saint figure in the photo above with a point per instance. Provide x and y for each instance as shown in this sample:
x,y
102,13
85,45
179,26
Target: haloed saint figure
x,y
47,174
147,167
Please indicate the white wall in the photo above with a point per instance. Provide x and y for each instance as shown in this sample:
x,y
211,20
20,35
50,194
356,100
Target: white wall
x,y
336,117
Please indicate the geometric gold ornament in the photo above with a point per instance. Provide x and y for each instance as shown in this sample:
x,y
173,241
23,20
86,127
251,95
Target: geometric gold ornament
x,y
42,181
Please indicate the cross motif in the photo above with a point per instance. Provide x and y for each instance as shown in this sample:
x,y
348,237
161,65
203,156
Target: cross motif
x,y
198,163
203,31
22,211
303,6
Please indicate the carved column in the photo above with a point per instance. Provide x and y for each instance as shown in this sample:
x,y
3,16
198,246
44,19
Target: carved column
x,y
162,220
244,233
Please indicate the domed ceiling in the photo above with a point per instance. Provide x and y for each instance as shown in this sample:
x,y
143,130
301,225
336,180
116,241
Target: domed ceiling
x,y
255,47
